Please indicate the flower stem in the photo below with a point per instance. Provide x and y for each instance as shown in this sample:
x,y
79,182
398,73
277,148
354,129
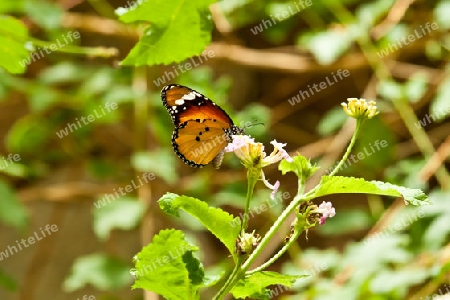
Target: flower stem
x,y
227,286
359,123
239,270
252,175
286,246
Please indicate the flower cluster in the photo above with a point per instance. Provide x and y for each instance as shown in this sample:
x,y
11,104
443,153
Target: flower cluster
x,y
247,242
252,155
360,108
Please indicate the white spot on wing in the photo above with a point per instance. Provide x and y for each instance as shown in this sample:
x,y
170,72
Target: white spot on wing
x,y
190,96
179,101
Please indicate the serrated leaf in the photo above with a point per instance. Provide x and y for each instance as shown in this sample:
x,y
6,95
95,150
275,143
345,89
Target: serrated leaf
x,y
162,42
255,286
124,213
218,222
12,211
349,185
168,267
101,271
13,55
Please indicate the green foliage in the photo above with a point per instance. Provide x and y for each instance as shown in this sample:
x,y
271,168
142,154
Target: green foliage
x,y
439,229
300,166
217,221
167,266
255,286
331,121
161,162
12,212
440,107
13,35
162,42
7,281
348,185
101,271
124,213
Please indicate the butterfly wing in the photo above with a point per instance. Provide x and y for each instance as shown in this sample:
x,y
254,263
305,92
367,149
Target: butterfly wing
x,y
184,104
202,128
198,143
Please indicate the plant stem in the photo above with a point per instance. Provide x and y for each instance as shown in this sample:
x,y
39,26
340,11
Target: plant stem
x,y
231,282
252,175
286,246
227,286
359,123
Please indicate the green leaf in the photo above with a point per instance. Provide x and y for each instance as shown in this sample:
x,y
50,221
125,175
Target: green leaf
x,y
167,266
28,134
331,121
45,13
327,46
101,271
218,222
349,185
12,211
255,285
7,281
13,55
124,213
436,235
416,86
162,42
301,166
391,90
160,162
398,280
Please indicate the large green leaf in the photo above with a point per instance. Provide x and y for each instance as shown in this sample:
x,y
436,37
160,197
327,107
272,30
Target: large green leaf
x,y
101,271
350,185
218,222
255,286
13,55
178,29
167,267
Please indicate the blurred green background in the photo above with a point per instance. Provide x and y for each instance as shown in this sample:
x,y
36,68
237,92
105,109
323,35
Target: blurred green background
x,y
276,62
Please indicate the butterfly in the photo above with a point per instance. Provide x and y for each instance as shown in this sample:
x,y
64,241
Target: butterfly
x,y
202,128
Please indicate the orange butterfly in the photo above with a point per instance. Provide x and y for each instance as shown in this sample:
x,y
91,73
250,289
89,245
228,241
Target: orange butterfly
x,y
202,128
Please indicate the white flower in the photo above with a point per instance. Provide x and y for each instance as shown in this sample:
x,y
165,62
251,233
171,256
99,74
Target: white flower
x,y
327,210
252,154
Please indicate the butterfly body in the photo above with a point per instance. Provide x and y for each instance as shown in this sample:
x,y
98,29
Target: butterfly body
x,y
202,128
